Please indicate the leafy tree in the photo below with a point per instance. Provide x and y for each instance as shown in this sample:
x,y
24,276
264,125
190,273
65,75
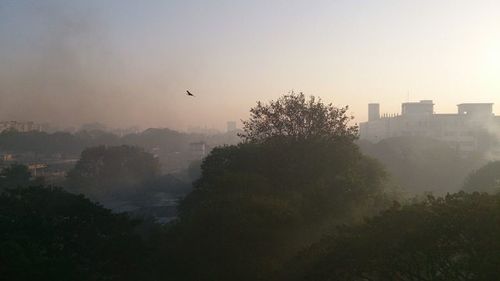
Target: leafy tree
x,y
49,234
450,238
102,171
15,175
485,179
258,203
297,118
194,170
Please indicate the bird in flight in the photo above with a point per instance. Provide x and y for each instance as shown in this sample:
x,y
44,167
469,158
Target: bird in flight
x,y
189,93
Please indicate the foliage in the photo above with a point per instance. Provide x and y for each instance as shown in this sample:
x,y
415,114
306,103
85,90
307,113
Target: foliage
x,y
102,171
258,203
295,117
450,238
15,175
485,179
49,234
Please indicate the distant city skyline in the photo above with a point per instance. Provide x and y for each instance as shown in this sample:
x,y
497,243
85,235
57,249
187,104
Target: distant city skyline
x,y
127,63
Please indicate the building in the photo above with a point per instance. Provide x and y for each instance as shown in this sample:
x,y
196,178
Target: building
x,y
464,130
20,126
197,150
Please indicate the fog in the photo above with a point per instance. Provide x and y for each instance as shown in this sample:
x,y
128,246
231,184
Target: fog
x,y
123,63
62,66
226,140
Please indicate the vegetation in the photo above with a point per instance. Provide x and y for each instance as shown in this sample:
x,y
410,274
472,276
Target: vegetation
x,y
258,203
450,238
49,234
296,118
296,200
485,179
165,140
15,175
125,177
102,171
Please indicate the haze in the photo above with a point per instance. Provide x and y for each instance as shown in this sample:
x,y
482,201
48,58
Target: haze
x,y
129,62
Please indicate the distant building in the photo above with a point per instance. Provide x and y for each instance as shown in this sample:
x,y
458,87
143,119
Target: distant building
x,y
8,157
231,126
197,150
464,130
20,126
202,130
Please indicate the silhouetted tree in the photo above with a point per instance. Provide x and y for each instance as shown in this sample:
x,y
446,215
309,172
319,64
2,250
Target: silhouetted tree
x,y
102,170
297,118
49,234
450,238
15,175
257,203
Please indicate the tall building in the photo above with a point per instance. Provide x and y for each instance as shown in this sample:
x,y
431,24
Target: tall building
x,y
464,130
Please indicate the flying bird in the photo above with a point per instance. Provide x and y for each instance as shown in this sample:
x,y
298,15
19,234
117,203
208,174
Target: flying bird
x,y
189,93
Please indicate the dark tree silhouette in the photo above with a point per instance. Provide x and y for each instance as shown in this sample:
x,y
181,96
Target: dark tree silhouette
x,y
102,170
297,118
16,175
449,238
49,234
258,203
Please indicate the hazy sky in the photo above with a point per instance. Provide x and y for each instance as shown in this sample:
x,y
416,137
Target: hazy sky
x,y
129,62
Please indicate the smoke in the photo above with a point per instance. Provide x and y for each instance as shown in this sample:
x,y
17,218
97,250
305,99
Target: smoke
x,y
492,129
58,65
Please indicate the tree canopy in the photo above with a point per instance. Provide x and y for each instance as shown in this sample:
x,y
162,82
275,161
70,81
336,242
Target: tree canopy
x,y
485,179
49,234
449,238
15,175
297,118
258,203
104,170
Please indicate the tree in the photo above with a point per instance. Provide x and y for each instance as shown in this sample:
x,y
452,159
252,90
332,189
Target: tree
x,y
485,179
102,171
15,175
258,203
450,238
49,234
297,118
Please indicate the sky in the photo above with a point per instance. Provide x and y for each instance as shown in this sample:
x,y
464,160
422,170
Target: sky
x,y
127,62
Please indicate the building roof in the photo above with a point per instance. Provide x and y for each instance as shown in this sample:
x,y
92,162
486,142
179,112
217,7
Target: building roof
x,y
476,103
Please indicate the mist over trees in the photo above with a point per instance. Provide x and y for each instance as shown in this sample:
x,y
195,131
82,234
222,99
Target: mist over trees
x,y
484,179
450,238
258,203
299,198
171,147
126,177
423,165
103,171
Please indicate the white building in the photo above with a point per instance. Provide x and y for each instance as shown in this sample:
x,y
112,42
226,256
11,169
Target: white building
x,y
464,130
